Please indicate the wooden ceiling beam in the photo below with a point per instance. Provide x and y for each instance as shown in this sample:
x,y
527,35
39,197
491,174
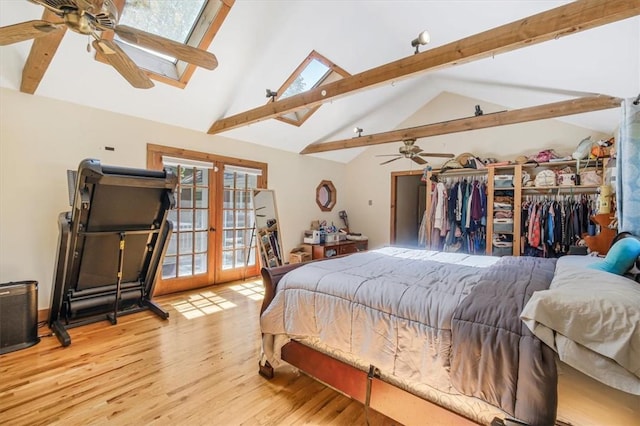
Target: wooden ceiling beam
x,y
541,112
564,20
42,51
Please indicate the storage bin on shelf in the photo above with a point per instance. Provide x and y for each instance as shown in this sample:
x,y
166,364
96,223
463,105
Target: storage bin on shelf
x,y
502,251
503,181
502,225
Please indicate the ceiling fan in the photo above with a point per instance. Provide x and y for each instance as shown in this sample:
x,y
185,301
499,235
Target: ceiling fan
x,y
92,17
413,152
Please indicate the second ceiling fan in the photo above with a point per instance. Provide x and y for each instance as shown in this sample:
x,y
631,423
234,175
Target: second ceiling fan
x,y
92,17
413,152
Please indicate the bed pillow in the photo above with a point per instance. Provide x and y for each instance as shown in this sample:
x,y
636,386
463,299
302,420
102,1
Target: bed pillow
x,y
595,310
620,257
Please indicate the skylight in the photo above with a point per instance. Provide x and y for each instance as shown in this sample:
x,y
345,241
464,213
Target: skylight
x,y
193,22
170,19
314,71
311,75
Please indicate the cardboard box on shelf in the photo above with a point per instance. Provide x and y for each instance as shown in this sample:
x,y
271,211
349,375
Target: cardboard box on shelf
x,y
299,255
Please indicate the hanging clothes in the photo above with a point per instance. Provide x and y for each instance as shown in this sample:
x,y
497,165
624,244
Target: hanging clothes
x,y
551,225
458,215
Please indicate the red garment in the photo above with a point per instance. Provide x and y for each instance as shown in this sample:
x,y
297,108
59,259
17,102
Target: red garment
x,y
534,229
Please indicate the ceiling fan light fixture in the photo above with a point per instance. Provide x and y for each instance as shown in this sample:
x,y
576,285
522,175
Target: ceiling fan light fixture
x,y
422,39
79,22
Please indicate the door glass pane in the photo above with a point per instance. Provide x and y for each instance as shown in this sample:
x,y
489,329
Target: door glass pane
x,y
185,220
227,259
242,199
173,218
240,258
187,177
252,181
169,267
202,199
185,244
241,181
228,199
171,248
240,239
202,177
201,242
185,266
186,198
202,219
228,219
200,261
227,242
241,218
228,179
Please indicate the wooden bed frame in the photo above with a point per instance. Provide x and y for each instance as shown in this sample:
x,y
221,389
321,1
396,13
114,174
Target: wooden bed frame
x,y
367,388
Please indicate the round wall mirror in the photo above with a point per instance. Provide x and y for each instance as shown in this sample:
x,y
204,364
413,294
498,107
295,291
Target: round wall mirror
x,y
326,195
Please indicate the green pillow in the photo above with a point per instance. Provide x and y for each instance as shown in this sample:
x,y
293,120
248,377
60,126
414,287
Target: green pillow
x,y
620,257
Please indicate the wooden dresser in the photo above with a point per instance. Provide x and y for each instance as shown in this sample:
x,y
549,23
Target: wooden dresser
x,y
319,251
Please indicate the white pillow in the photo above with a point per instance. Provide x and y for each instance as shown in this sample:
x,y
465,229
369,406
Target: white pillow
x,y
595,309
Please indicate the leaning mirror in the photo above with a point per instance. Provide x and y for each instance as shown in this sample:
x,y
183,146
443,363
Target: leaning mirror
x,y
326,195
267,228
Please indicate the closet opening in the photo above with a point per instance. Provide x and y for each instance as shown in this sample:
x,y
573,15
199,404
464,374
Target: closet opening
x,y
408,203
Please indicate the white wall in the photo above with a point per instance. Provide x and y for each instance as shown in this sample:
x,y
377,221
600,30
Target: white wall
x,y
367,180
41,138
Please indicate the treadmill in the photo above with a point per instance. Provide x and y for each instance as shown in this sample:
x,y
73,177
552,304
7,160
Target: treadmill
x,y
111,245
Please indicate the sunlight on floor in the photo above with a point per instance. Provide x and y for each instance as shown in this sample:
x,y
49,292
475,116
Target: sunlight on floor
x,y
254,290
201,304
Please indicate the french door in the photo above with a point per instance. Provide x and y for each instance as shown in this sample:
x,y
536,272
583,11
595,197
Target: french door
x,y
211,241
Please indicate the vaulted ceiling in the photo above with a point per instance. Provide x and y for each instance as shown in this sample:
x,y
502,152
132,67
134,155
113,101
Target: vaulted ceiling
x,y
262,42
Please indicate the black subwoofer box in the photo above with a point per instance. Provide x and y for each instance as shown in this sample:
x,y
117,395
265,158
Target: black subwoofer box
x,y
18,315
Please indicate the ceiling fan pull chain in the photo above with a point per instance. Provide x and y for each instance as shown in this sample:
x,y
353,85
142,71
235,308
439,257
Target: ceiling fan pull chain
x,y
89,44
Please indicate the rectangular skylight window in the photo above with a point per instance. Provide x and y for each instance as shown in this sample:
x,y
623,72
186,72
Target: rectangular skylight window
x,y
170,19
174,20
190,22
314,73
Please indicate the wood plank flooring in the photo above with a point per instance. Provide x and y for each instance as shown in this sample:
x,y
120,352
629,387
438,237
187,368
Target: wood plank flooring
x,y
200,367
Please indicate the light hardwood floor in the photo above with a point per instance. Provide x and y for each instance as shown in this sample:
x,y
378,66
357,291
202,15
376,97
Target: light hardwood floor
x,y
199,367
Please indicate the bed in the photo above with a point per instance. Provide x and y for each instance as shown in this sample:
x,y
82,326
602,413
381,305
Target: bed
x,y
415,331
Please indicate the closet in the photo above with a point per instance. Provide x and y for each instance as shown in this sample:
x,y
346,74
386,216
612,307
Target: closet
x,y
408,200
513,217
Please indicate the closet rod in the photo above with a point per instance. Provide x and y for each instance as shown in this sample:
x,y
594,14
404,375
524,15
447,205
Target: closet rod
x,y
459,172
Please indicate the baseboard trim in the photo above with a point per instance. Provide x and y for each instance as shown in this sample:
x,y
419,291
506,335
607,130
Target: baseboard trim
x,y
43,315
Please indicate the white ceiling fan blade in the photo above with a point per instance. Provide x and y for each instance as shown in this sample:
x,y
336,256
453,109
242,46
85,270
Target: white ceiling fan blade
x,y
27,31
123,64
180,51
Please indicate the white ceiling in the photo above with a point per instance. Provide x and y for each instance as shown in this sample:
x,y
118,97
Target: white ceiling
x,y
262,42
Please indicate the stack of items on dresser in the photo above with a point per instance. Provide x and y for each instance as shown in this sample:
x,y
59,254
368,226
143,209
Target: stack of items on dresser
x,y
321,233
459,215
